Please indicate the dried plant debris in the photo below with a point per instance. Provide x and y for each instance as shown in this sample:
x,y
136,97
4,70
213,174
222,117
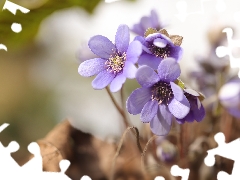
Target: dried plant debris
x,y
89,155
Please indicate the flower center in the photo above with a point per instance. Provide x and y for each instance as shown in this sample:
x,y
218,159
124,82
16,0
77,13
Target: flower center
x,y
116,62
160,52
162,92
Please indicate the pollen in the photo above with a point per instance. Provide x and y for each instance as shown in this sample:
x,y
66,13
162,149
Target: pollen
x,y
160,52
162,92
116,62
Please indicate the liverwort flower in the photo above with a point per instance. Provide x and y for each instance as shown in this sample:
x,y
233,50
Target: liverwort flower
x,y
158,45
146,22
197,111
166,151
115,62
159,97
229,96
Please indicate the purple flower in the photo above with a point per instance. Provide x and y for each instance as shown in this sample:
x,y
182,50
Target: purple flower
x,y
166,151
158,46
146,22
229,96
159,97
197,111
116,62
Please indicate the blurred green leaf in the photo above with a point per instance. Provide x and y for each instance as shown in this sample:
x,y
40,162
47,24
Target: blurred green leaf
x,y
39,9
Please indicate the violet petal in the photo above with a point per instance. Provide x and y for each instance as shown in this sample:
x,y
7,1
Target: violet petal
x,y
91,67
145,22
149,60
146,76
122,38
188,118
102,79
117,82
134,51
137,99
161,123
192,92
198,113
154,19
176,52
153,36
179,108
198,103
169,70
177,91
180,121
129,70
137,28
149,111
160,42
101,46
144,44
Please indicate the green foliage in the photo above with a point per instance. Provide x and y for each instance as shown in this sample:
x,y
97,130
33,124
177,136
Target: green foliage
x,y
30,22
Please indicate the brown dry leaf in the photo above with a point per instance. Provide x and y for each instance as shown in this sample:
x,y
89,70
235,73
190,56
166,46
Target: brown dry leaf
x,y
56,146
164,32
176,39
89,155
150,31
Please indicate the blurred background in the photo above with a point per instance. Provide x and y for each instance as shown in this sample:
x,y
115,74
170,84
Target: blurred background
x,y
39,82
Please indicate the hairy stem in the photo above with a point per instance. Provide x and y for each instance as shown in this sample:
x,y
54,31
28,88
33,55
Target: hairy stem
x,y
120,110
145,150
227,125
120,145
182,141
122,98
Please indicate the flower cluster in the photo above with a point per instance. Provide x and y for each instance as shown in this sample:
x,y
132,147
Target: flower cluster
x,y
153,60
160,98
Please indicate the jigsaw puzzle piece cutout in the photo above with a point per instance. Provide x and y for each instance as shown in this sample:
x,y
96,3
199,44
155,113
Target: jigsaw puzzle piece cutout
x,y
159,178
2,46
5,125
177,171
235,172
64,165
34,165
88,178
40,175
7,163
222,51
228,150
12,7
224,176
